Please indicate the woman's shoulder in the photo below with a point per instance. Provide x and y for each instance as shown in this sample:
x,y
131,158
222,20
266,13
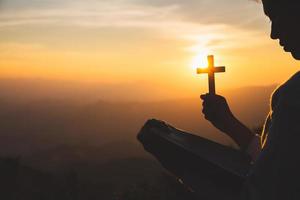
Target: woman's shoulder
x,y
288,93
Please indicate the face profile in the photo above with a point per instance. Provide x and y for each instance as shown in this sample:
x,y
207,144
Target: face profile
x,y
285,16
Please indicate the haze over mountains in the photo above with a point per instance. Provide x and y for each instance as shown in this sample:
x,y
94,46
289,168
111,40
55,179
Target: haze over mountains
x,y
28,90
69,128
62,111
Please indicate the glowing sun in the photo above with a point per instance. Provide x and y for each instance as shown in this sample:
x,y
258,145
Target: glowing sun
x,y
200,60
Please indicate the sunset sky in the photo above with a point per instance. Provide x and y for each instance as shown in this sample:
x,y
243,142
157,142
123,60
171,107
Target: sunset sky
x,y
157,42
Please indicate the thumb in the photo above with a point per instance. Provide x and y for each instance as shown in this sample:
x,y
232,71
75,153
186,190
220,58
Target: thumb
x,y
203,96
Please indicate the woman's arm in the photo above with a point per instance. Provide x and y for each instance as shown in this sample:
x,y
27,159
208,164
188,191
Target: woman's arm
x,y
217,111
239,132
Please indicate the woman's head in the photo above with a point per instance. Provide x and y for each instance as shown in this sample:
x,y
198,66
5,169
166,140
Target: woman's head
x,y
285,18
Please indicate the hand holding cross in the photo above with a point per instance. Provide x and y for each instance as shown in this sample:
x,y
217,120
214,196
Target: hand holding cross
x,y
211,70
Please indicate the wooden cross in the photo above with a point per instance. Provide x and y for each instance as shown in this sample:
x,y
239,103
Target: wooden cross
x,y
211,70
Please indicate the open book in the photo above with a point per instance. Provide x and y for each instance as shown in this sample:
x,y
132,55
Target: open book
x,y
201,164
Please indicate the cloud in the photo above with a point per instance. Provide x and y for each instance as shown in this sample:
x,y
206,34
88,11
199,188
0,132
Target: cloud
x,y
130,12
88,14
234,12
204,23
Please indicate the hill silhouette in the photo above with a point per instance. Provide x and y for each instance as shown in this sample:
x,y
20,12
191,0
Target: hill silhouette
x,y
92,146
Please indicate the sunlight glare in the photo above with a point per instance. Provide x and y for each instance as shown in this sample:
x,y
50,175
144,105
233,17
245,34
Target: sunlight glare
x,y
200,60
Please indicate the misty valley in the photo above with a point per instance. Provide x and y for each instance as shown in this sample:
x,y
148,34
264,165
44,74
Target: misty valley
x,y
65,148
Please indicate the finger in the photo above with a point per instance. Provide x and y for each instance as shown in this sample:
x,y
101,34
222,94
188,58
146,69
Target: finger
x,y
216,97
208,103
211,97
205,117
204,104
208,117
203,96
207,111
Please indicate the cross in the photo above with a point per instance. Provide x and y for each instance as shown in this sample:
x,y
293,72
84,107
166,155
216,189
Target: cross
x,y
211,70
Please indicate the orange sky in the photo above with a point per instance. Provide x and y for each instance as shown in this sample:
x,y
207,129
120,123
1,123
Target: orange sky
x,y
137,41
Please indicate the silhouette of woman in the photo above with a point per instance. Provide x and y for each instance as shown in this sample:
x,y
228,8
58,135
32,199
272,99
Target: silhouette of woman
x,y
275,153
